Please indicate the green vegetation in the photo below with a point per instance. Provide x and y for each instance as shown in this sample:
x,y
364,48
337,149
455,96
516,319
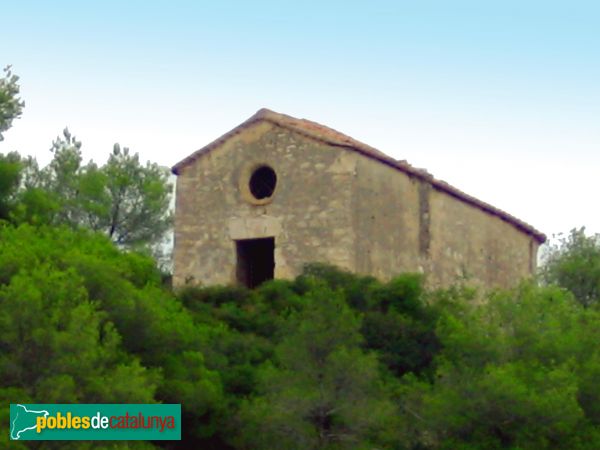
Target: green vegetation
x,y
329,361
11,105
574,263
127,201
124,199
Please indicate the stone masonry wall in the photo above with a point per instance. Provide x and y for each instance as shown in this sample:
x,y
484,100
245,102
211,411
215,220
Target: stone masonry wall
x,y
405,225
310,215
468,243
386,220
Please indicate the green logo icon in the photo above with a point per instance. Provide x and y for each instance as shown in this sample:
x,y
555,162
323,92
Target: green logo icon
x,y
24,420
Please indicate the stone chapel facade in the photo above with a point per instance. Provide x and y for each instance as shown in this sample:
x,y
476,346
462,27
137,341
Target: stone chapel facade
x,y
277,192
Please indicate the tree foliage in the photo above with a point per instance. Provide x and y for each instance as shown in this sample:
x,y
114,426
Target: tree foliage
x,y
124,199
10,177
83,322
514,372
327,361
315,393
137,199
574,264
11,105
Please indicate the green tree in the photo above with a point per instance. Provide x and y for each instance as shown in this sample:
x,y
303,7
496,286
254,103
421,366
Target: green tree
x,y
574,264
83,321
124,199
58,344
61,178
514,372
55,194
243,327
138,199
397,321
11,105
323,391
10,176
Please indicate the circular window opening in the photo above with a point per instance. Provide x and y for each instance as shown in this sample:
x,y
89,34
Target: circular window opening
x,y
263,182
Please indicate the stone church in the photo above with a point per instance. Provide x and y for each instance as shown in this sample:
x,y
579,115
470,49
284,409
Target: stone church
x,y
277,192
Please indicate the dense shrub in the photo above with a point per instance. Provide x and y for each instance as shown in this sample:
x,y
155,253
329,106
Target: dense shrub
x,y
329,360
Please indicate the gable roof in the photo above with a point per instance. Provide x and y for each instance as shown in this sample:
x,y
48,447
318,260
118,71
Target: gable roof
x,y
335,138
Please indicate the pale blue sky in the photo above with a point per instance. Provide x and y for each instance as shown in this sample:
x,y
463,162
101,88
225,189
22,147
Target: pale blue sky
x,y
501,99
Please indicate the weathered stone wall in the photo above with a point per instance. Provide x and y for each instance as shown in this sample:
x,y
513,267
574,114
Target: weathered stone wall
x,y
310,214
334,205
468,243
403,224
386,219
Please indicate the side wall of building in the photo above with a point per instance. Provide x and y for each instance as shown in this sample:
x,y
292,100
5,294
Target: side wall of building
x,y
386,219
310,215
471,244
404,224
